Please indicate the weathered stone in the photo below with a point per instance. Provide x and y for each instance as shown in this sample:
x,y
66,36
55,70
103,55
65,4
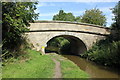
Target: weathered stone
x,y
81,35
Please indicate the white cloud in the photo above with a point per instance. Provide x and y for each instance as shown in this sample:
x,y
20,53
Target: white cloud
x,y
109,19
47,14
76,13
79,12
78,0
60,0
54,13
108,14
37,11
105,9
41,4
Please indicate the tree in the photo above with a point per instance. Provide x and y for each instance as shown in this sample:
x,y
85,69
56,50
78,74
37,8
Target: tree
x,y
15,19
94,16
62,16
116,12
116,24
69,17
78,19
58,43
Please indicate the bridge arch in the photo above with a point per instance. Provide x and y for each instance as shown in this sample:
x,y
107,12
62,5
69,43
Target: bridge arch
x,y
42,31
77,46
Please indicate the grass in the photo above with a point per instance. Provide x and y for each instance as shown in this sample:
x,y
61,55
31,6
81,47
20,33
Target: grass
x,y
70,69
36,66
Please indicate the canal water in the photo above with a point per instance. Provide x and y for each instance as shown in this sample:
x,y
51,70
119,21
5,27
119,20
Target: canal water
x,y
94,70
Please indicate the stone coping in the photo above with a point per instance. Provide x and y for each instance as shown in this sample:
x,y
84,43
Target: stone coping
x,y
69,22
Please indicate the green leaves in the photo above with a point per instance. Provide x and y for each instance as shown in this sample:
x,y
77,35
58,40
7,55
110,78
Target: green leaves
x,y
116,12
94,16
62,16
104,52
116,24
58,44
15,19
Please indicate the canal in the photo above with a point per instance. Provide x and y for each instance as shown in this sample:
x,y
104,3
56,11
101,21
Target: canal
x,y
94,70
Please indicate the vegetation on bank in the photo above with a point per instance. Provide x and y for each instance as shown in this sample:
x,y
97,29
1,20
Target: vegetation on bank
x,y
68,68
107,52
35,65
31,65
16,17
17,62
71,70
104,52
58,45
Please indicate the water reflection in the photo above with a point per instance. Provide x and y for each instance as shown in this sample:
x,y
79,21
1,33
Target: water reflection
x,y
95,71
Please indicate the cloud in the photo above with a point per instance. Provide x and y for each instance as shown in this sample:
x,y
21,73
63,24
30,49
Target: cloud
x,y
47,14
105,9
76,13
60,0
108,14
78,0
37,11
109,19
79,12
43,4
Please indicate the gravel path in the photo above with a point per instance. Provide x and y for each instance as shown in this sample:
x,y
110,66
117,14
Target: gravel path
x,y
57,69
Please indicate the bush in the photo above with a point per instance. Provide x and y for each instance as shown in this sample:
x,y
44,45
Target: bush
x,y
106,54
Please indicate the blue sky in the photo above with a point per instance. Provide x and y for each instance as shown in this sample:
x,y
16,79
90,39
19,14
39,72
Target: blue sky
x,y
46,10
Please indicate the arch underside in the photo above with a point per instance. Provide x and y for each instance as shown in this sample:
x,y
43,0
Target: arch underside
x,y
77,46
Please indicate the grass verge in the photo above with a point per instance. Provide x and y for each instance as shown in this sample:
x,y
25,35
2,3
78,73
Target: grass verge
x,y
70,69
36,66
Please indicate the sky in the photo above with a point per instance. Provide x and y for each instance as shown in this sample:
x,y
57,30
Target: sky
x,y
47,10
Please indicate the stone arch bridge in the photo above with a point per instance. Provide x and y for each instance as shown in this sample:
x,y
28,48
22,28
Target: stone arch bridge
x,y
81,35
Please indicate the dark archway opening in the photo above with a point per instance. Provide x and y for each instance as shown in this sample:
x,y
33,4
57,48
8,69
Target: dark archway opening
x,y
66,44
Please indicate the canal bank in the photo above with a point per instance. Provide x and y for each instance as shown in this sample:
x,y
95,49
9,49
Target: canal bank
x,y
34,65
93,69
68,68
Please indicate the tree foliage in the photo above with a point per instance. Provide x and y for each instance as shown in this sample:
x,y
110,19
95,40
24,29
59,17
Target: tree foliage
x,y
78,19
94,16
59,45
15,19
116,12
62,16
107,51
116,24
